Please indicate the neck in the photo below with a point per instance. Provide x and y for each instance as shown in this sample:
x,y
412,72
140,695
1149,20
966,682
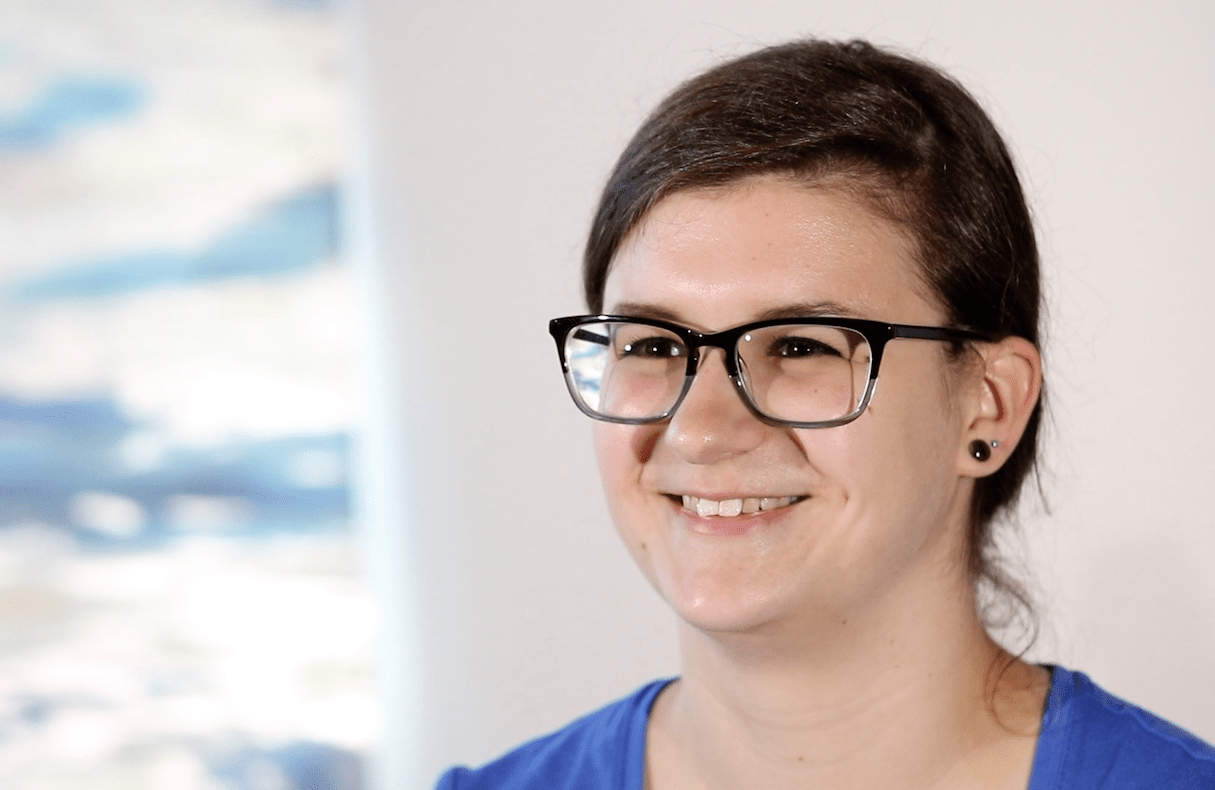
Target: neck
x,y
895,699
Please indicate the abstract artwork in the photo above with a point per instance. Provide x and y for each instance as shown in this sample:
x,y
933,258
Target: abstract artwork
x,y
180,604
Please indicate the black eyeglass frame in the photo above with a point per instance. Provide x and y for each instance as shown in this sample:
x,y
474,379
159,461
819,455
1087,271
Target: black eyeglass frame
x,y
876,334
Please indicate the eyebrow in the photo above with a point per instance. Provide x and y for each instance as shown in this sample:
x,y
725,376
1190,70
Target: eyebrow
x,y
643,310
795,310
808,310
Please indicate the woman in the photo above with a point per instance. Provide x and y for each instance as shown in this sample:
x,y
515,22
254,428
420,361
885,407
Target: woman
x,y
780,231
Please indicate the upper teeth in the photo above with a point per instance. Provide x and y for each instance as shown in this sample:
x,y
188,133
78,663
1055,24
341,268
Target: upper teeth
x,y
733,507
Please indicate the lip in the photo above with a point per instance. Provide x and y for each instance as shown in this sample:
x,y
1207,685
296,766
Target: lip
x,y
731,526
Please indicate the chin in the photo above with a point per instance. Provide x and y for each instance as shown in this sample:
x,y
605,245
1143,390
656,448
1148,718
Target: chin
x,y
725,609
725,623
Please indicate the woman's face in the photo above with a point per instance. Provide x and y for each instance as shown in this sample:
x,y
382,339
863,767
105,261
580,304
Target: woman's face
x,y
863,515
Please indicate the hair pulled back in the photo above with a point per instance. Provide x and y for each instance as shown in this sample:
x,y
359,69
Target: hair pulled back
x,y
892,130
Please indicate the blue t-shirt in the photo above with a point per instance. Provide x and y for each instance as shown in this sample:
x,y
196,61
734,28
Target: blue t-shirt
x,y
1090,740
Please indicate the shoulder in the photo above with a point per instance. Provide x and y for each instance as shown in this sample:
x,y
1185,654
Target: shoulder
x,y
1092,740
600,751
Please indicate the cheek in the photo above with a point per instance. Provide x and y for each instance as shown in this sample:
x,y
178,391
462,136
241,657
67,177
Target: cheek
x,y
904,470
895,465
920,419
621,452
611,454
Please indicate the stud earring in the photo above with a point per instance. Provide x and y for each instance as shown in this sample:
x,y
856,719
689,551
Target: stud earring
x,y
981,450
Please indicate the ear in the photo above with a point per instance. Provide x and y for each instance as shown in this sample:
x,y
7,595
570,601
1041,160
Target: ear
x,y
1001,405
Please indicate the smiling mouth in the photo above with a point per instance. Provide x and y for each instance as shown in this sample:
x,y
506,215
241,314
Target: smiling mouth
x,y
729,508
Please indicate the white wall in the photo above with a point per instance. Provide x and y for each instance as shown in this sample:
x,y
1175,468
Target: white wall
x,y
509,605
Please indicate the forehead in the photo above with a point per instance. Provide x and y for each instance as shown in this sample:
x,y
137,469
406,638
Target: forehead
x,y
716,258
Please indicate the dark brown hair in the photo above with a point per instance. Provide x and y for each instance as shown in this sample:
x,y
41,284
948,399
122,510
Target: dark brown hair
x,y
891,129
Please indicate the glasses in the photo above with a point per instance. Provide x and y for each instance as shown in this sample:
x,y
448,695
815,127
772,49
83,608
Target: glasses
x,y
796,372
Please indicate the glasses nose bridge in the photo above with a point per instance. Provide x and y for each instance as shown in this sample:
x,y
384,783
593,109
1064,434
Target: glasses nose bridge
x,y
725,341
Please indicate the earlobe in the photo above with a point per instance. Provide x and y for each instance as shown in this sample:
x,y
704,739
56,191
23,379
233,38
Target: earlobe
x,y
1002,406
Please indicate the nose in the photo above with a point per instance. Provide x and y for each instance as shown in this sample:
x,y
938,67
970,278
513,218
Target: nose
x,y
713,422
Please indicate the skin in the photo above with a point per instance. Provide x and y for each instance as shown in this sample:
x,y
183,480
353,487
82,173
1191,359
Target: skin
x,y
833,643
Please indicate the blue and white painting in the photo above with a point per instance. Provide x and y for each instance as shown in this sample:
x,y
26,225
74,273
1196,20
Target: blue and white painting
x,y
180,605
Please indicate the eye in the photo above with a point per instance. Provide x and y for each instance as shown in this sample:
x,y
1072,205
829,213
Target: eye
x,y
800,347
652,348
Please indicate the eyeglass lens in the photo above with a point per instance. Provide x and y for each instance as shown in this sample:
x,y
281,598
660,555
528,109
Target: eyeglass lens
x,y
791,372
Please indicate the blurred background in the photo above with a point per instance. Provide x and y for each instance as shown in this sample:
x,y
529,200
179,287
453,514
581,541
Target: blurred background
x,y
180,603
276,510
